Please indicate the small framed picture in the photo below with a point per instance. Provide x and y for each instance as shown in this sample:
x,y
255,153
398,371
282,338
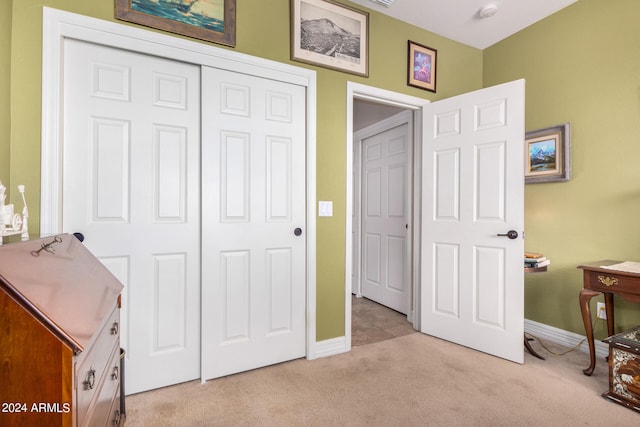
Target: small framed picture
x,y
548,154
422,66
330,35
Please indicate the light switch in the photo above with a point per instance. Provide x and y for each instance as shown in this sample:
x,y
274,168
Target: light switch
x,y
325,208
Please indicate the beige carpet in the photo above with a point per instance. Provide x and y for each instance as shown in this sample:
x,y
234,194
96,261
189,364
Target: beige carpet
x,y
414,380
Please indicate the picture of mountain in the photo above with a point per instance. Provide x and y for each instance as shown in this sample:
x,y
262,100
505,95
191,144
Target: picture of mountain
x,y
542,155
329,34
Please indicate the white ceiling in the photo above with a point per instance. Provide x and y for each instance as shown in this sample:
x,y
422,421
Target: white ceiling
x,y
459,19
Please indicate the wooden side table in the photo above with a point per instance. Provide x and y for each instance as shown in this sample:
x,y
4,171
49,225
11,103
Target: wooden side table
x,y
596,281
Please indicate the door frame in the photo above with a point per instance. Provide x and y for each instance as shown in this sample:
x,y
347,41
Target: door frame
x,y
398,119
408,102
59,25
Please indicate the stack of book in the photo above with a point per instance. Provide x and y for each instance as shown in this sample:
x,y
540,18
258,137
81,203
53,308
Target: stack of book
x,y
535,260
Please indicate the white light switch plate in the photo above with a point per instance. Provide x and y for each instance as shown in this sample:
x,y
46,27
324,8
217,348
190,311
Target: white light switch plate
x,y
325,208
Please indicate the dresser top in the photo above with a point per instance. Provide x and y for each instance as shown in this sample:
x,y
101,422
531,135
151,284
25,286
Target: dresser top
x,y
63,285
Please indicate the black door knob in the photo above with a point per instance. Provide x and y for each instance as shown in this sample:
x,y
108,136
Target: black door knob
x,y
297,231
512,234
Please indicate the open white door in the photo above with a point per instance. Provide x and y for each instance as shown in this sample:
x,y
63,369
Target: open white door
x,y
385,182
472,192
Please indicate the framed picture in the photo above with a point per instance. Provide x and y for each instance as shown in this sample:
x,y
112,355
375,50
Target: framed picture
x,y
209,20
330,35
422,66
548,154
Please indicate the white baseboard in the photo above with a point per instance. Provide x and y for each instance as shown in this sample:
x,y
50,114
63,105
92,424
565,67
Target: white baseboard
x,y
563,338
330,347
548,333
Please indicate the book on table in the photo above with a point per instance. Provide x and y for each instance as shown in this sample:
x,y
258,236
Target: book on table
x,y
539,264
533,255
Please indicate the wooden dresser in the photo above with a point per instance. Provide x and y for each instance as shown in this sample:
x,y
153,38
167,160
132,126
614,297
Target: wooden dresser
x,y
59,336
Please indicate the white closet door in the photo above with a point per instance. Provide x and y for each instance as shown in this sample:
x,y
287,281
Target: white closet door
x,y
253,220
131,184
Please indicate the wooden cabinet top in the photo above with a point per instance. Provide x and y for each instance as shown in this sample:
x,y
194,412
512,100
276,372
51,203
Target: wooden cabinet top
x,y
63,285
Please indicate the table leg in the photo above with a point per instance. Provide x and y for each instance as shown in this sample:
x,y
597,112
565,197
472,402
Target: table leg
x,y
585,297
608,303
530,349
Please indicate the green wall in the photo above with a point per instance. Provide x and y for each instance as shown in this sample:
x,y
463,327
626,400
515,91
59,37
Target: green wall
x,y
262,30
581,65
5,93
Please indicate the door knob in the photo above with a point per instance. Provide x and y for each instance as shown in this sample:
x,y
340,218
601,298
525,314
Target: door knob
x,y
297,231
512,234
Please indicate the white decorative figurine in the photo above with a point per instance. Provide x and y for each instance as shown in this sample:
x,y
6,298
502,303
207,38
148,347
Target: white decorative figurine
x,y
12,223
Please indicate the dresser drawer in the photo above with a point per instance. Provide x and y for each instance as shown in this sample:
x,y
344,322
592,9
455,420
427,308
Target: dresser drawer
x,y
116,418
93,365
100,413
609,282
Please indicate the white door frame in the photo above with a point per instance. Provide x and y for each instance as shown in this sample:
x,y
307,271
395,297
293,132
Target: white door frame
x,y
382,96
58,25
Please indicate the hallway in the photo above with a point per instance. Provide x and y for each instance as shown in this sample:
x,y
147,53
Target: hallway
x,y
372,322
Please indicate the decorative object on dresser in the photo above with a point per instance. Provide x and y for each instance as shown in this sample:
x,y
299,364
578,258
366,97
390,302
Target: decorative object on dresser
x,y
60,336
624,368
12,223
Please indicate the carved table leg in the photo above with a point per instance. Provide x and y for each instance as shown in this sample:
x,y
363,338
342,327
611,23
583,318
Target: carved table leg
x,y
585,297
530,349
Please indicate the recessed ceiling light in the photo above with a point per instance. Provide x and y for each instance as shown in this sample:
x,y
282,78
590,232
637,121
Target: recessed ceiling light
x,y
488,11
385,3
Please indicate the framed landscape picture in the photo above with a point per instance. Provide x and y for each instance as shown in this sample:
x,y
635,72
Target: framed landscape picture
x,y
548,154
209,20
422,66
330,35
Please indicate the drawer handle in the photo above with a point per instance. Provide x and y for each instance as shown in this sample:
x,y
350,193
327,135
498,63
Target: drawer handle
x,y
607,281
116,417
91,380
116,373
115,328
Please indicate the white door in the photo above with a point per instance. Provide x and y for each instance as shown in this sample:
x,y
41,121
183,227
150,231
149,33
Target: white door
x,y
385,182
253,222
473,190
131,177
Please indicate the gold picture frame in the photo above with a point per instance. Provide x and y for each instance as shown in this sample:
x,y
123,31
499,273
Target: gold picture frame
x,y
330,35
548,154
208,20
421,67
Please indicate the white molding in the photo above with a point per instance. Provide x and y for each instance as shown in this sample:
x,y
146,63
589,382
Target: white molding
x,y
563,338
380,96
331,347
59,25
548,333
